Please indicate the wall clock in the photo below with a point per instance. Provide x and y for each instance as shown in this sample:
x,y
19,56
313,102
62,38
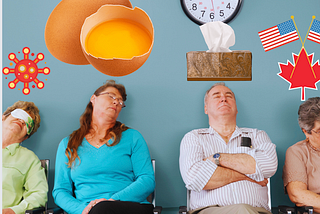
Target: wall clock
x,y
203,11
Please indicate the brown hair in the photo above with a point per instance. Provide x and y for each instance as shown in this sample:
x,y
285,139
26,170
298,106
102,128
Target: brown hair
x,y
78,135
30,108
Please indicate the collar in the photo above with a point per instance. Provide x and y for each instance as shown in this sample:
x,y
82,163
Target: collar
x,y
237,132
210,130
12,148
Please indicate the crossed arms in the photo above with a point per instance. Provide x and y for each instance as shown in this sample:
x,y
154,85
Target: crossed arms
x,y
199,171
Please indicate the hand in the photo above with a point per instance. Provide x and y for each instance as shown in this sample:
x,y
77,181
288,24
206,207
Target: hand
x,y
92,204
8,211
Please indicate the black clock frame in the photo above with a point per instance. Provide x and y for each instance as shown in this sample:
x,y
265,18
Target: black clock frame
x,y
192,18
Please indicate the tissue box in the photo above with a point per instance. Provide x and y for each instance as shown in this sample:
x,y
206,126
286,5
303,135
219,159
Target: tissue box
x,y
219,66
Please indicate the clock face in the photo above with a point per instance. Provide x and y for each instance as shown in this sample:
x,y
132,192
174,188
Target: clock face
x,y
203,11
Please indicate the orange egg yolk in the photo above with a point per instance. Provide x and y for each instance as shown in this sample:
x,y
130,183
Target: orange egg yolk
x,y
118,38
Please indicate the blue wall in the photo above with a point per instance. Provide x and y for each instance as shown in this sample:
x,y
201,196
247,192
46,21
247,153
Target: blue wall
x,y
161,103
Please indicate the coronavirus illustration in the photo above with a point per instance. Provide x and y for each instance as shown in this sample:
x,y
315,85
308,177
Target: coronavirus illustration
x,y
26,70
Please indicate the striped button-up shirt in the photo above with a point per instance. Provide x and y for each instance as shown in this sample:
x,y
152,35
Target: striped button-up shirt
x,y
201,143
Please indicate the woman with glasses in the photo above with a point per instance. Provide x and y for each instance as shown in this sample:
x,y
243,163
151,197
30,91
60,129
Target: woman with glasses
x,y
104,166
301,171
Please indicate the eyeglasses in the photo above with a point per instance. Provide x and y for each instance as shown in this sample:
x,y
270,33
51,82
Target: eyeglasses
x,y
318,132
112,97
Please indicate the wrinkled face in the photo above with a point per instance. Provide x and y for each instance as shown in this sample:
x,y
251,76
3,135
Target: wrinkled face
x,y
104,106
14,126
220,101
314,136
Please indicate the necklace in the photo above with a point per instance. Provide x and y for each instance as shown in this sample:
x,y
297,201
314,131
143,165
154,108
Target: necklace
x,y
312,147
98,145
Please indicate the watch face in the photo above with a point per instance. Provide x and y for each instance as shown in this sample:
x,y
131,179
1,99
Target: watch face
x,y
217,155
203,11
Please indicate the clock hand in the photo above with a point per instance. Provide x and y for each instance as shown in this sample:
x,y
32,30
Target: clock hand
x,y
212,5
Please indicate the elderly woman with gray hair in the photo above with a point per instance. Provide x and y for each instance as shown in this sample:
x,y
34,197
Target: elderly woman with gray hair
x,y
301,171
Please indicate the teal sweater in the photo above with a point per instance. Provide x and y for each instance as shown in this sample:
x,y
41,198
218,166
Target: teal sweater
x,y
122,172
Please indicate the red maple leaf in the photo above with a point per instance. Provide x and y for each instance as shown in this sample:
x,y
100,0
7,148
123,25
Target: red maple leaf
x,y
302,74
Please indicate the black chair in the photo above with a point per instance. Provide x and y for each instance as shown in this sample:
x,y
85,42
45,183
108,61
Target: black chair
x,y
185,209
282,209
45,164
151,198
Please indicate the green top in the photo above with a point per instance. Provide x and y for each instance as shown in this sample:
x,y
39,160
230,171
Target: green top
x,y
24,184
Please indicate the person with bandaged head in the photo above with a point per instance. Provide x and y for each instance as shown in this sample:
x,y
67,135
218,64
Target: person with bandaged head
x,y
24,184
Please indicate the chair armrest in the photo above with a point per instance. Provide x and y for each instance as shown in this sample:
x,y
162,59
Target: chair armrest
x,y
157,210
182,210
286,209
35,210
307,209
56,210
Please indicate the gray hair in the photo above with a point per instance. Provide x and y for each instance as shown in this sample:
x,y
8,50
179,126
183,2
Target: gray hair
x,y
309,113
216,84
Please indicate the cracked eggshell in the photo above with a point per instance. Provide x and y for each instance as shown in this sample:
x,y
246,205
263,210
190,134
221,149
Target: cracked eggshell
x,y
116,66
63,27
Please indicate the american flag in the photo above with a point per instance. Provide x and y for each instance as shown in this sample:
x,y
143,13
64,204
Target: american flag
x,y
278,35
314,34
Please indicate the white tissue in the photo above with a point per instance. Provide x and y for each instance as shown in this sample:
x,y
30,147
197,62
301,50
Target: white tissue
x,y
218,36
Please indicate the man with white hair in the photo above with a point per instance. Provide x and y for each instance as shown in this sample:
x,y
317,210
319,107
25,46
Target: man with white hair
x,y
226,167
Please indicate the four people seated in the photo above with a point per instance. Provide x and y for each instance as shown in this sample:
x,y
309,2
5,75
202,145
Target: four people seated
x,y
301,171
24,184
105,167
226,167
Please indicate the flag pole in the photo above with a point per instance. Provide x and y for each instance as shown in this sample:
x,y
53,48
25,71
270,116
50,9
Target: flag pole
x,y
292,17
295,63
313,17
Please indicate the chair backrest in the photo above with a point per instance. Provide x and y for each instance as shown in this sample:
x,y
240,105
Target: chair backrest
x,y
45,164
152,197
269,193
269,196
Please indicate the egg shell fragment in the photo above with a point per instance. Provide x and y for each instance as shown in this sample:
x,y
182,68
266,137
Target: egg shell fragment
x,y
116,66
63,27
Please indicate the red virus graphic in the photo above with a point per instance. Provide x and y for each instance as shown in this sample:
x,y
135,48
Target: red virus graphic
x,y
26,70
302,74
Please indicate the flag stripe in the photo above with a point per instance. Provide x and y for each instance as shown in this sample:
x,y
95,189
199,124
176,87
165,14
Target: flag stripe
x,y
289,38
278,35
280,39
314,34
282,43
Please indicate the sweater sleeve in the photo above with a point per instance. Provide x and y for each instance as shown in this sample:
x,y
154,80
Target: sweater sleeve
x,y
36,188
144,182
63,184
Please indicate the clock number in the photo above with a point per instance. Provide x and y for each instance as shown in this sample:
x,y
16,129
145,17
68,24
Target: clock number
x,y
221,13
211,15
228,6
203,12
194,6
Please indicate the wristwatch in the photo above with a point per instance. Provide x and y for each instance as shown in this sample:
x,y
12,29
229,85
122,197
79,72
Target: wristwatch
x,y
216,158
